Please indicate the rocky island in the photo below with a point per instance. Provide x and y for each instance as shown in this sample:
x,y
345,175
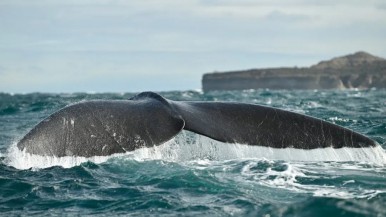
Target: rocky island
x,y
358,70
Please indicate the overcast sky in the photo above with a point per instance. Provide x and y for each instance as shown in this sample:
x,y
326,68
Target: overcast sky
x,y
130,46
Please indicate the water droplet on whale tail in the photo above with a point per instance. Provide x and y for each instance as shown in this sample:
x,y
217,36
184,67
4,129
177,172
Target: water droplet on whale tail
x,y
189,147
22,160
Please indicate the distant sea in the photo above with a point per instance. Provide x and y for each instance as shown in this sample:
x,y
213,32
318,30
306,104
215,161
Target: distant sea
x,y
192,175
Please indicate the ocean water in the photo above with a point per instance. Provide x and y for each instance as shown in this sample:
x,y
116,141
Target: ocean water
x,y
193,175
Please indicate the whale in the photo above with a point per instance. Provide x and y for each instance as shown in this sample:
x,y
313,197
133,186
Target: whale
x,y
107,127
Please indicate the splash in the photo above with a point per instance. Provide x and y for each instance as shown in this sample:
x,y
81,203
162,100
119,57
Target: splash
x,y
192,147
23,160
188,146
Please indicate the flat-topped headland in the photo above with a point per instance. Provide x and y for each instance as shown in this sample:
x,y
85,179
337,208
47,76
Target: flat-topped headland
x,y
358,70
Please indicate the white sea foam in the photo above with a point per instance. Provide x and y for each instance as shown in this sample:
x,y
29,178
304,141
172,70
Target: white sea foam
x,y
291,179
285,179
195,147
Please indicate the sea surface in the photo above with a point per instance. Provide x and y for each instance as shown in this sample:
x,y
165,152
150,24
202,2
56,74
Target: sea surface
x,y
192,175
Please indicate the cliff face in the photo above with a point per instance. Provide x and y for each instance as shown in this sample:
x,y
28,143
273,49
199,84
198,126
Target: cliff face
x,y
359,70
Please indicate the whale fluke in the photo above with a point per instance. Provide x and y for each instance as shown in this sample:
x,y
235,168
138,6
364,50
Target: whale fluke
x,y
265,126
100,128
105,127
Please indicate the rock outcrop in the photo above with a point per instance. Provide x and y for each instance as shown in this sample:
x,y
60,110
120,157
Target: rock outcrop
x,y
358,70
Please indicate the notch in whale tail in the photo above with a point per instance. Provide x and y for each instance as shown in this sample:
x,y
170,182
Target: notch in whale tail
x,y
265,126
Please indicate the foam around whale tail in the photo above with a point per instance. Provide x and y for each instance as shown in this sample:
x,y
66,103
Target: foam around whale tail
x,y
265,126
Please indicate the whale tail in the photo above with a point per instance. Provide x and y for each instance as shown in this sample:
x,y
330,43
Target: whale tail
x,y
265,126
99,128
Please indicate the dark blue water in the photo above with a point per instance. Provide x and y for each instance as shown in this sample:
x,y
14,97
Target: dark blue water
x,y
194,175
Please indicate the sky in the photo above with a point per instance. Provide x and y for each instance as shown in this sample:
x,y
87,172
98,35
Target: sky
x,y
163,45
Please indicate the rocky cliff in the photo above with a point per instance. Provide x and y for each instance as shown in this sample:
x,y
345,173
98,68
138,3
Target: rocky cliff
x,y
358,70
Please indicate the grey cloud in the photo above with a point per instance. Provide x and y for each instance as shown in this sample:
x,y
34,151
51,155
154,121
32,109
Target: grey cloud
x,y
3,70
278,15
381,6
